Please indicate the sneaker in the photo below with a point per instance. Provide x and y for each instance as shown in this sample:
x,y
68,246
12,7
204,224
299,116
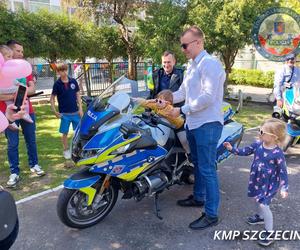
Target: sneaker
x,y
255,220
266,239
67,154
13,180
37,170
13,126
27,118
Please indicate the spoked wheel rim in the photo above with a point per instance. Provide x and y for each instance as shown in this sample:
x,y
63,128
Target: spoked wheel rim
x,y
79,213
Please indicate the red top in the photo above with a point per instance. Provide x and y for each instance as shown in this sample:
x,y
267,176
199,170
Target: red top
x,y
31,110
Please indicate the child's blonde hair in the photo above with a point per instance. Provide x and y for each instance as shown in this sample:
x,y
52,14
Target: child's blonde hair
x,y
61,67
166,94
276,127
4,50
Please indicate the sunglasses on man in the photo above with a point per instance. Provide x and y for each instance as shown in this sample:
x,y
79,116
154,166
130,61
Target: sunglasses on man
x,y
185,45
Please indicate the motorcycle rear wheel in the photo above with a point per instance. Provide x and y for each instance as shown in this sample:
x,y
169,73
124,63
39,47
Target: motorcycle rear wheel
x,y
73,211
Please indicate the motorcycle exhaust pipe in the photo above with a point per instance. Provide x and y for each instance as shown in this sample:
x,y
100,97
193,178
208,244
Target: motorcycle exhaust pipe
x,y
156,182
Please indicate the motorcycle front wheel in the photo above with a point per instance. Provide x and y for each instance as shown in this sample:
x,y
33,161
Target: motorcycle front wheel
x,y
73,211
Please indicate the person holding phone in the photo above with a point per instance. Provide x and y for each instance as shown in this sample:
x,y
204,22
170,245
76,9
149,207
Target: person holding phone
x,y
18,89
28,128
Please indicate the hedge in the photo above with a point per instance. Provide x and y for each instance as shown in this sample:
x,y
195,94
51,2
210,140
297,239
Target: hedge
x,y
252,77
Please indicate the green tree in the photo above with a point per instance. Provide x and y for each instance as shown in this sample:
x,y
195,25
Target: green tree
x,y
48,35
10,28
109,46
293,4
162,27
227,25
124,13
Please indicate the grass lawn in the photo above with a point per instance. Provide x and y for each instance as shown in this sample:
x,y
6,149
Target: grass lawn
x,y
253,115
50,157
50,150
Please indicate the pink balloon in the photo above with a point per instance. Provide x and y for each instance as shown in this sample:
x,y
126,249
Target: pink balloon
x,y
16,69
1,60
3,122
12,70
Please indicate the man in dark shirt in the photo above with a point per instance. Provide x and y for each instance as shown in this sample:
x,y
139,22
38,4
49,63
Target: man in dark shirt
x,y
69,104
167,77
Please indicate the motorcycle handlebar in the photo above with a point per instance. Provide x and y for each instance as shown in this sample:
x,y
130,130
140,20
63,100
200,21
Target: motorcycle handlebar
x,y
166,124
152,119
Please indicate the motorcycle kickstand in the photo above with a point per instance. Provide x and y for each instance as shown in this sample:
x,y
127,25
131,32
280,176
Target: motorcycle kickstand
x,y
157,209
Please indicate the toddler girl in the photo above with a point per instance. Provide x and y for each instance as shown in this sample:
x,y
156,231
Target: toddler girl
x,y
268,173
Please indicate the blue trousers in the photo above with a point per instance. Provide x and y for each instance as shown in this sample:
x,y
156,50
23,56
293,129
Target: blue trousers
x,y
203,143
28,130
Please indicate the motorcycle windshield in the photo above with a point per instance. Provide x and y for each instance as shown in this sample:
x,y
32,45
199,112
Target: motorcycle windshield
x,y
114,100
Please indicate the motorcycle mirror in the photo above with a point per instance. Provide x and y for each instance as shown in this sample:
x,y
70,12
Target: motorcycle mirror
x,y
119,100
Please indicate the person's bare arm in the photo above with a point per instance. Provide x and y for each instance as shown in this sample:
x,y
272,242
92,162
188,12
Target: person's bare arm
x,y
31,88
52,101
7,97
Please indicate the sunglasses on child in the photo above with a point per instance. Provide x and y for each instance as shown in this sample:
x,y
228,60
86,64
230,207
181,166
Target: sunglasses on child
x,y
261,132
160,101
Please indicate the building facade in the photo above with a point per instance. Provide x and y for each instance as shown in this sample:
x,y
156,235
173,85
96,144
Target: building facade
x,y
34,5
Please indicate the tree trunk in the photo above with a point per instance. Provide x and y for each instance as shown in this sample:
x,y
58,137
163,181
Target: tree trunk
x,y
228,58
131,65
86,78
110,68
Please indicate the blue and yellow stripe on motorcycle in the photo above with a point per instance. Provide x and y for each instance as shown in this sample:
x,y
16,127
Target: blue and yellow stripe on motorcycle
x,y
134,172
130,165
105,154
90,192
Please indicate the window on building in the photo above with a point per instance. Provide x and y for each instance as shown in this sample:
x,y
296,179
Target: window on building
x,y
18,6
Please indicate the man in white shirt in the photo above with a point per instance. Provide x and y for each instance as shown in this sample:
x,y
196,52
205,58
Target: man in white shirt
x,y
285,77
202,90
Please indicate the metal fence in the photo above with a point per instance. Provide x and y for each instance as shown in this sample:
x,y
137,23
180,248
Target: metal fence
x,y
98,75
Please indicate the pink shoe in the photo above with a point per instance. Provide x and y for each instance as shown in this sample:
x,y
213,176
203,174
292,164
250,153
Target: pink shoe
x,y
13,126
27,118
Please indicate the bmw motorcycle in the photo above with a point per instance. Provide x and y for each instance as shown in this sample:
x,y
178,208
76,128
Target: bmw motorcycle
x,y
121,149
290,113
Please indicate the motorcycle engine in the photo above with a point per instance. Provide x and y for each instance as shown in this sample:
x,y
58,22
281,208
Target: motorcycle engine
x,y
149,184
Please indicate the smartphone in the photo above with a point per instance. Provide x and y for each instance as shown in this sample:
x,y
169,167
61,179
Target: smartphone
x,y
20,97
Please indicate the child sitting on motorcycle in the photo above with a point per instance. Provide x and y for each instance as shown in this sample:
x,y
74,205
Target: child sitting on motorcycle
x,y
162,106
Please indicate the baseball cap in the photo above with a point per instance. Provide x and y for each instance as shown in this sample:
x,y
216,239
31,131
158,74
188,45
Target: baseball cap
x,y
290,56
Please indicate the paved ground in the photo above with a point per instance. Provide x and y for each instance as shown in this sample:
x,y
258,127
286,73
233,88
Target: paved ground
x,y
256,94
133,225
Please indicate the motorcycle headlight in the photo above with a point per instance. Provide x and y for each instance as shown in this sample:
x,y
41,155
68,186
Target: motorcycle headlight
x,y
120,150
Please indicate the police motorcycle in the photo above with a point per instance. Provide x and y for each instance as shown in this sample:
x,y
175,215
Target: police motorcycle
x,y
120,148
290,113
